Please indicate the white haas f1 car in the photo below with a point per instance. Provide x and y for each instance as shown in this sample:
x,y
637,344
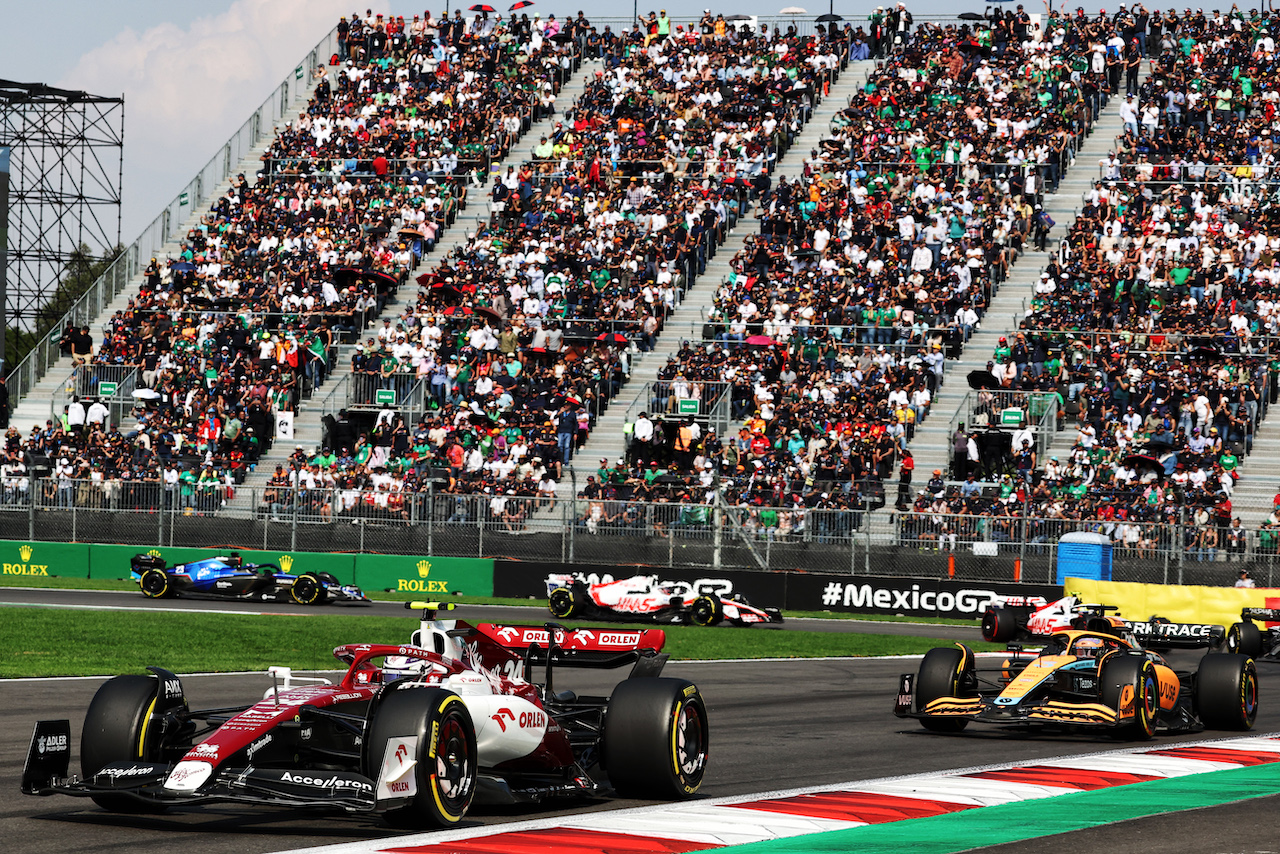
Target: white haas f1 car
x,y
1020,618
414,732
643,598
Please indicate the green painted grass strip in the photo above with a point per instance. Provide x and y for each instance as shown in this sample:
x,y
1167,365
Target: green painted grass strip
x,y
996,825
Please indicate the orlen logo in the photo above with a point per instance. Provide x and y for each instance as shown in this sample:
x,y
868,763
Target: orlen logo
x,y
619,638
503,713
532,720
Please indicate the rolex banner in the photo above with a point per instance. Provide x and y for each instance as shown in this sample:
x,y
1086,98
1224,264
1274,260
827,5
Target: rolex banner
x,y
414,576
418,577
20,559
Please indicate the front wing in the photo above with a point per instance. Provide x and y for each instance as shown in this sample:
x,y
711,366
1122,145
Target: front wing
x,y
1050,710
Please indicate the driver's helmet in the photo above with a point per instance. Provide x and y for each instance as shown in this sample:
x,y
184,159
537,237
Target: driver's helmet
x,y
1087,647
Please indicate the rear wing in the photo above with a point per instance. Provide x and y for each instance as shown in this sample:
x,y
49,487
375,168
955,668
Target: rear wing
x,y
1176,635
583,647
1267,615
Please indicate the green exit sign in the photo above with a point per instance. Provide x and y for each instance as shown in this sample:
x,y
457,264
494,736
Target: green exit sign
x,y
385,397
688,406
108,389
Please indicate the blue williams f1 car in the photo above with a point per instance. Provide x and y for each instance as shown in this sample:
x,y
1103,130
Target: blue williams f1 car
x,y
227,576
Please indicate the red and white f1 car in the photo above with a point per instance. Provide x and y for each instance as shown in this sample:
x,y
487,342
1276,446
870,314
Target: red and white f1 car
x,y
1019,618
414,732
644,598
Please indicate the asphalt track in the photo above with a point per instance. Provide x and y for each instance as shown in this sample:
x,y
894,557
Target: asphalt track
x,y
814,722
536,614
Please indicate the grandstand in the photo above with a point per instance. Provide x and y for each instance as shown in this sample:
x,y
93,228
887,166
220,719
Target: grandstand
x,y
797,255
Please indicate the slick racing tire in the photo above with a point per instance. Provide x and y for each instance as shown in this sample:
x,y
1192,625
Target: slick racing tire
x,y
1244,639
656,738
117,728
563,603
155,584
428,734
999,625
706,611
308,589
945,672
1227,691
1129,684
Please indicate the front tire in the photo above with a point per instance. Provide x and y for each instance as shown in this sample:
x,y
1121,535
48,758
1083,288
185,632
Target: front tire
x,y
1227,691
999,625
656,738
944,672
445,757
307,589
1244,639
1130,681
118,728
155,584
706,611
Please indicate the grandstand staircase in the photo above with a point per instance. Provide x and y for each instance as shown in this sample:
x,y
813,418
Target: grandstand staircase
x,y
308,429
607,440
930,447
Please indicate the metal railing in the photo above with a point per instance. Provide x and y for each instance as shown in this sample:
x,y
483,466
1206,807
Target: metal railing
x,y
23,377
1004,545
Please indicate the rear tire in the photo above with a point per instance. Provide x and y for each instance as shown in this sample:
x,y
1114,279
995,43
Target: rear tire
x,y
1227,691
1138,676
999,625
445,773
562,603
1244,639
706,611
656,738
307,589
944,672
154,584
117,729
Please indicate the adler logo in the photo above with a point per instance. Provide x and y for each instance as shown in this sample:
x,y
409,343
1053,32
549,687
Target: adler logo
x,y
51,744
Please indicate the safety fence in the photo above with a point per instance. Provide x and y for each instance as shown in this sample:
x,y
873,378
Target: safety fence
x,y
845,533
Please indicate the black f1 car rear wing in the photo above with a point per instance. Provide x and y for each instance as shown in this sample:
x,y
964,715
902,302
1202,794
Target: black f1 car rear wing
x,y
1176,635
1267,615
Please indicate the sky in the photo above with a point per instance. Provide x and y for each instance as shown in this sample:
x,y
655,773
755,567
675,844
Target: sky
x,y
192,73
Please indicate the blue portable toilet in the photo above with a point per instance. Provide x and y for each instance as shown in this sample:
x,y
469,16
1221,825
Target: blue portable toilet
x,y
1084,555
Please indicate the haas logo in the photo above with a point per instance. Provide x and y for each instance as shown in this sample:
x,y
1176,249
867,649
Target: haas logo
x,y
503,713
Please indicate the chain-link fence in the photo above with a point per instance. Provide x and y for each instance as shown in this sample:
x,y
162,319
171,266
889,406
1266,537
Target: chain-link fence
x,y
1184,549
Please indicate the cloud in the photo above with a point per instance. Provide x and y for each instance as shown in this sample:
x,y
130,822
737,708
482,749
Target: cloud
x,y
188,89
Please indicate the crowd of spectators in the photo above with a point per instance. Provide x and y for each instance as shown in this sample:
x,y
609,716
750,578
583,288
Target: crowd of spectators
x,y
1152,329
244,322
830,340
518,339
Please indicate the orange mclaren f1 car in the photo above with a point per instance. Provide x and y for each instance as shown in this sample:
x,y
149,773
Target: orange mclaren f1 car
x,y
1096,676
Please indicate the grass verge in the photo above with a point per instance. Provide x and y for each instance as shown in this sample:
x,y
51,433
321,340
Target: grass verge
x,y
56,642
